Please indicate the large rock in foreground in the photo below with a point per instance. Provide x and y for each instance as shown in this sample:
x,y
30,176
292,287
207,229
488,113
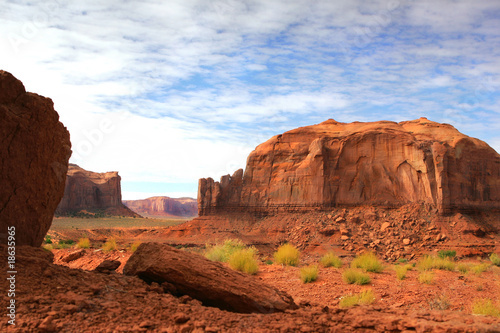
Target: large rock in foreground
x,y
383,163
164,206
92,192
34,158
209,282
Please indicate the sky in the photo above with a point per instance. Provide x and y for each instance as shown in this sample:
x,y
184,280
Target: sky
x,y
167,92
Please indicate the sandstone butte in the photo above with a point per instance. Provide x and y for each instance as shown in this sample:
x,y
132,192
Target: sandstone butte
x,y
164,206
91,192
34,158
383,163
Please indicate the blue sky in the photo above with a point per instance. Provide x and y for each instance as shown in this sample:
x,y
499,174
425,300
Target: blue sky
x,y
167,92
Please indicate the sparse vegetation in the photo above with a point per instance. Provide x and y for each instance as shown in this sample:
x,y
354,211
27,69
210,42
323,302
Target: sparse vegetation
x,y
479,268
447,254
363,298
355,276
441,302
369,262
134,246
401,271
287,255
309,273
244,260
485,307
48,239
426,277
463,268
427,263
495,259
268,262
222,252
110,245
83,243
331,260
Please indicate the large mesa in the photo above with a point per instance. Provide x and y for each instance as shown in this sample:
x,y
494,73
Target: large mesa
x,y
382,163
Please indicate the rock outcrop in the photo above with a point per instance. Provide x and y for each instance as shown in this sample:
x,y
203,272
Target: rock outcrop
x,y
383,163
34,158
212,283
164,206
92,192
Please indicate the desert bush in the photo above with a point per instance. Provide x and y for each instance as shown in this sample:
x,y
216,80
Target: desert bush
x,y
309,273
401,272
83,243
268,262
110,245
441,302
485,307
369,262
133,247
402,260
244,260
427,263
447,254
495,259
463,268
48,247
355,276
222,252
287,254
331,260
426,277
479,268
363,298
48,239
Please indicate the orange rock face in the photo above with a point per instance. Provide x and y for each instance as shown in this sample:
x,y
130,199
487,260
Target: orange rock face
x,y
92,191
34,158
381,163
164,206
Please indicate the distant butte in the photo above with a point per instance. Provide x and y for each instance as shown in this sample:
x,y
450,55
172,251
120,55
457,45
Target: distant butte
x,y
383,163
164,207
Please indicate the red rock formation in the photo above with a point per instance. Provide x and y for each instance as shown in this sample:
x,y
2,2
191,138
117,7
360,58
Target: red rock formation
x,y
381,163
164,206
33,161
92,192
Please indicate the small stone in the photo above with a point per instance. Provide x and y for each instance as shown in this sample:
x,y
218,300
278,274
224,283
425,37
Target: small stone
x,y
406,241
384,226
180,318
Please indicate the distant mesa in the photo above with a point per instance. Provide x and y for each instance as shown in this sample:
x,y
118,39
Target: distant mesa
x,y
383,163
164,207
34,152
92,193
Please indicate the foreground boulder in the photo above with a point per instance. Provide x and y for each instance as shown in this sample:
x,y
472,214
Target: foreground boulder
x,y
209,282
34,158
384,163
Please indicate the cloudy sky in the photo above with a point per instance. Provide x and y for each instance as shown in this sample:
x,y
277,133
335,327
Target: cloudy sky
x,y
167,92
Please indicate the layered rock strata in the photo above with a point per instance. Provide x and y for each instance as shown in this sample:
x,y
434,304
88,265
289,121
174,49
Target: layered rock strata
x,y
164,206
382,163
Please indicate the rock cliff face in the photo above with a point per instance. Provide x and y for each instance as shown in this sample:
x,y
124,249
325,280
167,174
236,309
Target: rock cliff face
x,y
383,163
91,191
33,161
164,206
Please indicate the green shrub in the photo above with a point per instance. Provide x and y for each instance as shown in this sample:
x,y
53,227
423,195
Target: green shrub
x,y
331,260
110,245
447,254
222,252
309,273
83,243
268,262
133,247
369,262
401,272
485,307
48,239
495,259
403,260
244,260
426,277
363,298
288,255
67,241
355,276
